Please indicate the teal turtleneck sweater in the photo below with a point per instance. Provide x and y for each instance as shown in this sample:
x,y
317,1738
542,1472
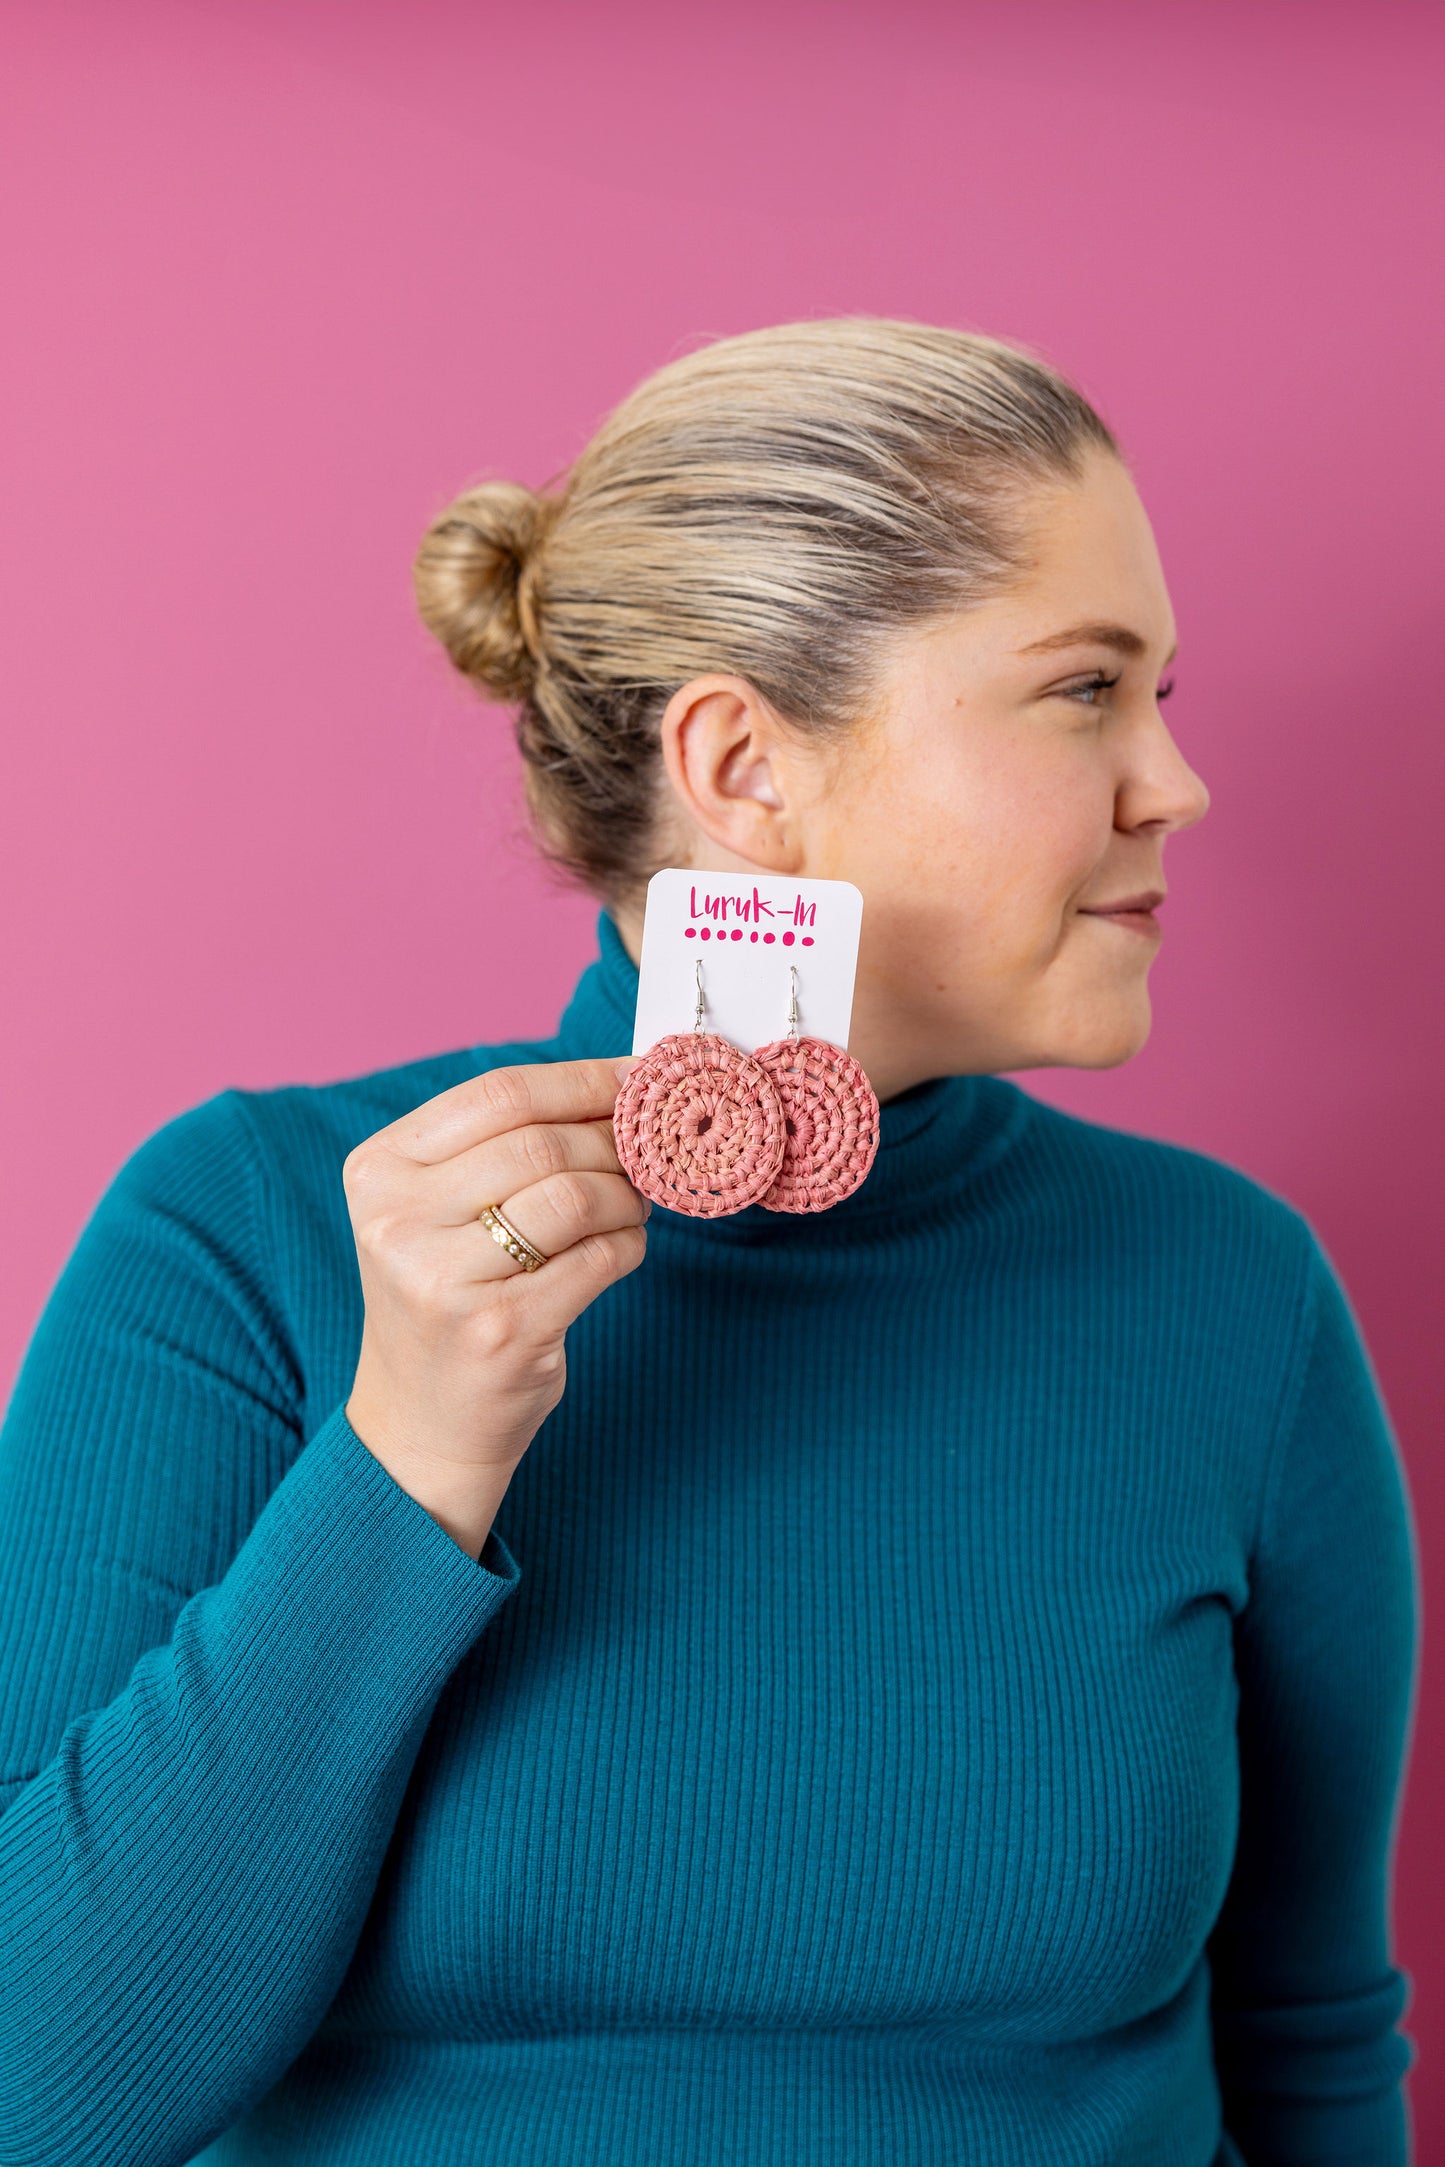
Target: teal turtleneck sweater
x,y
935,1692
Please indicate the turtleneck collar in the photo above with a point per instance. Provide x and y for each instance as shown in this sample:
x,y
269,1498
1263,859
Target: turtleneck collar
x,y
934,1138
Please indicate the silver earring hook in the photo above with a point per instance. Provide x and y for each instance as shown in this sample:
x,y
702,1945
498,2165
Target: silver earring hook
x,y
697,1012
792,1000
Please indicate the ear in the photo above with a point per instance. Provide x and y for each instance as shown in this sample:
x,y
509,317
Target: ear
x,y
732,769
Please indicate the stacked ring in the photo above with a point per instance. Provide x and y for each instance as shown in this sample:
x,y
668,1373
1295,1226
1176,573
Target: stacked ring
x,y
516,1245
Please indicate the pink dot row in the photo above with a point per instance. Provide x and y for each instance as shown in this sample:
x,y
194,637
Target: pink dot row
x,y
705,933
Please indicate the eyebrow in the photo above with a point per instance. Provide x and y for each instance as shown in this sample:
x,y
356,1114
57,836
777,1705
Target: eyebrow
x,y
1120,637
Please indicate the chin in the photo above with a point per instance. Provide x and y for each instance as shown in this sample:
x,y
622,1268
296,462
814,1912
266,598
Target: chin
x,y
1121,1045
1105,1034
1115,1059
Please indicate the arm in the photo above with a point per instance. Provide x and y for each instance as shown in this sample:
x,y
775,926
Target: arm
x,y
1306,1997
220,1646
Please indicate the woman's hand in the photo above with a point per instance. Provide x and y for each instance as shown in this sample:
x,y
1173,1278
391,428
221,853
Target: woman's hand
x,y
462,1354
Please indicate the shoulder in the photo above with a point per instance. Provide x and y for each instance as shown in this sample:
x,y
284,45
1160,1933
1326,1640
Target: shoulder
x,y
1174,1207
1182,1267
295,1125
293,1135
1121,1171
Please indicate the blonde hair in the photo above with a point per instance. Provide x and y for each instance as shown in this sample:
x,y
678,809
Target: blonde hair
x,y
777,505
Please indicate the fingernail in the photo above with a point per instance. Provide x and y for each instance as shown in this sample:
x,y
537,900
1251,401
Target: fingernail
x,y
622,1069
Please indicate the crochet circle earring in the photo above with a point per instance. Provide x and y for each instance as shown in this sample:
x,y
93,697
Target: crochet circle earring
x,y
830,1112
698,1124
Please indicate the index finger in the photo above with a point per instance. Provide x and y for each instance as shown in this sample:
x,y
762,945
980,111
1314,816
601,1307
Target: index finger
x,y
480,1107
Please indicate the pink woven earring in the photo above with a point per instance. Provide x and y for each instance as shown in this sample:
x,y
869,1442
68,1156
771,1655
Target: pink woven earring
x,y
830,1113
698,1124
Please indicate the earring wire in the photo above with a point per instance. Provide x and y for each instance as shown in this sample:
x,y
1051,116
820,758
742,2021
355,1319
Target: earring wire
x,y
697,1012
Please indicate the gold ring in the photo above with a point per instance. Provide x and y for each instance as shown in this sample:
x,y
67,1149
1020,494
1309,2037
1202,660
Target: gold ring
x,y
516,1245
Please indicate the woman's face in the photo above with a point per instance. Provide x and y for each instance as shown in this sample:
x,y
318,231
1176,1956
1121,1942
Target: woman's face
x,y
1004,795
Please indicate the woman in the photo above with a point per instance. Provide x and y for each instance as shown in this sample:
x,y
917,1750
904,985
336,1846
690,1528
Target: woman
x,y
922,1681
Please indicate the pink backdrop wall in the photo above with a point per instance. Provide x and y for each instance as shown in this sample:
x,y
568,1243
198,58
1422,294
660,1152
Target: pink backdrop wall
x,y
278,279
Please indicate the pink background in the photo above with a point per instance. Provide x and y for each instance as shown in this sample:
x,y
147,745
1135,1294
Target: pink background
x,y
280,278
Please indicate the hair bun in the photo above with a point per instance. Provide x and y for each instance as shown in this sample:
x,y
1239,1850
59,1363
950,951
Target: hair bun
x,y
472,577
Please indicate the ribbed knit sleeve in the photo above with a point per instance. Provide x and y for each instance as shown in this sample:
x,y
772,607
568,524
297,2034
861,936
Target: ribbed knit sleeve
x,y
1305,1996
220,1646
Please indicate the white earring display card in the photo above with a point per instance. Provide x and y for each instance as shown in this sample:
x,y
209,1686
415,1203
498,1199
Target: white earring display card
x,y
744,929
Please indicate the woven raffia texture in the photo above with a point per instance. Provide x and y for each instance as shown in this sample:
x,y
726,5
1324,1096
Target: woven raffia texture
x,y
831,1116
699,1126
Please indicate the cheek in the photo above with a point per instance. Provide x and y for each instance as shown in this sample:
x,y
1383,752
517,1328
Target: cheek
x,y
996,844
1023,860
1020,842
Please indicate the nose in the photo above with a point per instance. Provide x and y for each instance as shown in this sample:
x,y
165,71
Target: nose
x,y
1162,789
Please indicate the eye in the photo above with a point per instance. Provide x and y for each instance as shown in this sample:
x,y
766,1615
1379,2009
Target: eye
x,y
1100,683
1097,683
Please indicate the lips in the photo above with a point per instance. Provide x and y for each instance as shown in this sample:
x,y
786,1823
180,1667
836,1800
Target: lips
x,y
1147,899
